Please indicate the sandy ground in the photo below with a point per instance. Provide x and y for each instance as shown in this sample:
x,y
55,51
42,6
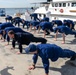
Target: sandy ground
x,y
13,64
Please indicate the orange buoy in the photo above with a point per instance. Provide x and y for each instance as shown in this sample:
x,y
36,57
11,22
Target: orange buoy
x,y
61,10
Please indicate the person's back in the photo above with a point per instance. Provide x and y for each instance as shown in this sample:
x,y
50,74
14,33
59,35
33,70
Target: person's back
x,y
72,23
58,22
45,19
34,23
23,38
8,17
4,25
46,25
16,18
49,51
15,29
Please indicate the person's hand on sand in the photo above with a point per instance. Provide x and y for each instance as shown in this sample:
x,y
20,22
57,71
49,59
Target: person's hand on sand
x,y
3,40
46,74
12,48
6,44
55,39
32,67
18,52
63,42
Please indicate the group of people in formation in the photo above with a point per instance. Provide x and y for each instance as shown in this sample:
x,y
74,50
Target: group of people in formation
x,y
9,31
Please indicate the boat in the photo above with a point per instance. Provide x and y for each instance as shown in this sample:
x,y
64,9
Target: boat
x,y
2,12
58,9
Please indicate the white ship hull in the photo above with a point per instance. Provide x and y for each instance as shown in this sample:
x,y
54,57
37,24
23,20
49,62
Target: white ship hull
x,y
60,10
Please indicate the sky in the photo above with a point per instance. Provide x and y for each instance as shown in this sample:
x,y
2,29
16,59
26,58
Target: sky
x,y
17,3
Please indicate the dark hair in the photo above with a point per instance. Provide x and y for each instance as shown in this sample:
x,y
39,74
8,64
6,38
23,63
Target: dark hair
x,y
11,32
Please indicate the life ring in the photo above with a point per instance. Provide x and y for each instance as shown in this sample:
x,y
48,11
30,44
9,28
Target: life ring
x,y
61,10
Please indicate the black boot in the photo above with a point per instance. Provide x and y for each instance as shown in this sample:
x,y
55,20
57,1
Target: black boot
x,y
73,58
75,36
47,32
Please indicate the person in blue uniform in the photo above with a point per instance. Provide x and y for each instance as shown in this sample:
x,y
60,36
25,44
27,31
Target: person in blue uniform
x,y
8,18
69,23
64,31
17,20
6,30
46,52
46,26
34,16
57,22
33,24
25,23
24,38
45,19
1,34
4,25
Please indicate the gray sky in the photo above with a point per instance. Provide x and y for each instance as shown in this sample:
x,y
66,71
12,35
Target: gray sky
x,y
17,3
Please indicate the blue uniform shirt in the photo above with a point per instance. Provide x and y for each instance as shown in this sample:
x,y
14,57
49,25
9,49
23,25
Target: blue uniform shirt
x,y
4,25
34,23
68,22
8,17
46,52
15,29
46,25
58,22
45,19
64,29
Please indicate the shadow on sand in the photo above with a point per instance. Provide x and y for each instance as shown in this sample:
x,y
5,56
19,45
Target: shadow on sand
x,y
67,69
72,42
5,71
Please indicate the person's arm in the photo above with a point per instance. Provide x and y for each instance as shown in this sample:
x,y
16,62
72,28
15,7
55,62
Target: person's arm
x,y
46,65
55,39
44,29
4,37
70,26
35,58
20,47
38,19
13,43
8,39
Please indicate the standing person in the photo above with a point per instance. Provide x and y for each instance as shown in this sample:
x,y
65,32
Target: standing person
x,y
24,38
34,16
46,52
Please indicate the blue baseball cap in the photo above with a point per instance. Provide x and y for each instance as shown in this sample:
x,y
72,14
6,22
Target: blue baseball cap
x,y
31,48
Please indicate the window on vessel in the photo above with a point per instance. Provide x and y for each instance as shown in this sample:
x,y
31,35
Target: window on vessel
x,y
59,4
64,4
39,15
52,4
74,4
68,4
56,4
